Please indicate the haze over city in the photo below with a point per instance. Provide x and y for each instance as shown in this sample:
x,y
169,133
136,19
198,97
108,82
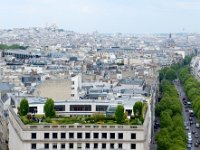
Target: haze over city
x,y
100,75
105,16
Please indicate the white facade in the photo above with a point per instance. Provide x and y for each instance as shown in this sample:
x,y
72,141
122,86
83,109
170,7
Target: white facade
x,y
77,137
76,85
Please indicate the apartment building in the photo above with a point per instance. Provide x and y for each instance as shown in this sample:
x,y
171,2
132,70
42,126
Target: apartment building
x,y
60,89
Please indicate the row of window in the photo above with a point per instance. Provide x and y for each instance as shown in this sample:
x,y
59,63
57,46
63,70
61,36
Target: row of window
x,y
87,146
74,108
80,135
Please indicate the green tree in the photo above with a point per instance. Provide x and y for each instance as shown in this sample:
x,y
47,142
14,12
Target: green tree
x,y
176,108
171,74
137,109
119,114
163,139
187,60
49,108
177,146
24,107
165,120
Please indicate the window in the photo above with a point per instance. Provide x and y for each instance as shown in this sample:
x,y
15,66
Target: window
x,y
62,145
95,145
104,136
112,135
71,135
96,135
129,112
33,146
46,135
79,135
101,107
133,136
71,145
120,135
33,135
72,95
63,135
112,145
87,135
79,145
33,110
54,146
59,107
80,108
87,145
46,145
103,145
55,135
120,145
133,146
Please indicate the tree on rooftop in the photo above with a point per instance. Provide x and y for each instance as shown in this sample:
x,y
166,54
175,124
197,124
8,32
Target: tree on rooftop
x,y
137,109
49,108
24,107
119,114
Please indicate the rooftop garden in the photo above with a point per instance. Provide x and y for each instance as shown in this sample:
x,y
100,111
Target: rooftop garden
x,y
50,117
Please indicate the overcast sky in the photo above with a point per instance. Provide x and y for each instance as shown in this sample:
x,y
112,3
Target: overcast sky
x,y
105,16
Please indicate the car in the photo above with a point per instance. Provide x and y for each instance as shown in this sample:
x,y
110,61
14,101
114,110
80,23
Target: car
x,y
189,133
196,144
197,141
189,146
196,135
187,128
190,118
189,141
157,125
191,122
189,137
189,103
197,125
193,132
186,110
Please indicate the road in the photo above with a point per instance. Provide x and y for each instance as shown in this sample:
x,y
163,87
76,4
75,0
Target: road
x,y
186,116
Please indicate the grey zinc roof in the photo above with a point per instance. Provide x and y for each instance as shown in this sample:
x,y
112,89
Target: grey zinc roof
x,y
130,81
5,86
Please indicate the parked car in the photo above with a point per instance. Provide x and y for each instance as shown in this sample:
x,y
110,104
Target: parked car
x,y
189,135
196,144
197,141
193,132
191,122
190,119
190,141
196,135
197,125
189,146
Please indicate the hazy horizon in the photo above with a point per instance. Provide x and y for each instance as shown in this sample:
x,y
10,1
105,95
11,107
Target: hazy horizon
x,y
105,16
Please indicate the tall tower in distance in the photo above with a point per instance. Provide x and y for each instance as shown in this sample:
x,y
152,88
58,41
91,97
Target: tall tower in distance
x,y
170,36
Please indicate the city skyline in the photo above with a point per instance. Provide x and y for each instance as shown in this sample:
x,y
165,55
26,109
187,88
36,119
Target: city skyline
x,y
109,16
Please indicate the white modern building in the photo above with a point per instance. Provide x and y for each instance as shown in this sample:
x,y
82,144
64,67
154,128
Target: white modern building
x,y
78,136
